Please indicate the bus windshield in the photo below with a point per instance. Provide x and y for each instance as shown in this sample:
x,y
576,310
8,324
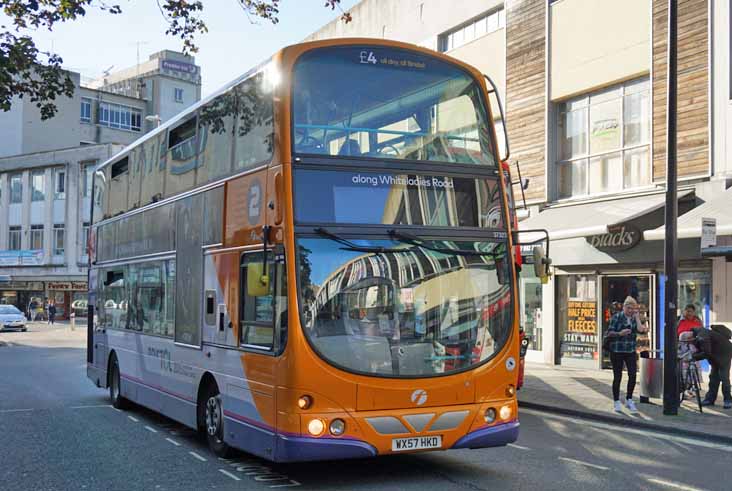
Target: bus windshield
x,y
388,103
401,309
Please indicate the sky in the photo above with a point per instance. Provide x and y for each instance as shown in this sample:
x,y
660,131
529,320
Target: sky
x,y
233,45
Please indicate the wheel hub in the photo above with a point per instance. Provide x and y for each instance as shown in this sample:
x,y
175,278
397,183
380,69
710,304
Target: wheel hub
x,y
213,416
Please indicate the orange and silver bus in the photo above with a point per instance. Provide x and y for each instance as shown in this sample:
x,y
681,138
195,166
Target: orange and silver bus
x,y
315,262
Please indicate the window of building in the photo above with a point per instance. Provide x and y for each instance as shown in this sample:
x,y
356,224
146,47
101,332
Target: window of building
x,y
59,239
119,116
14,238
38,185
465,33
85,239
178,94
87,179
603,141
16,188
86,105
531,308
59,183
36,237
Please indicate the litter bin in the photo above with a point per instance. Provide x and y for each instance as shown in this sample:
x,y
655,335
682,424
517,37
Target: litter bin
x,y
651,375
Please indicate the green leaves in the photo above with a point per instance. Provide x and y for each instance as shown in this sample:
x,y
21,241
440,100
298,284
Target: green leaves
x,y
27,72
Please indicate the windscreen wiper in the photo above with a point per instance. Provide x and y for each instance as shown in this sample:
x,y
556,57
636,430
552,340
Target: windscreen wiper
x,y
352,246
419,242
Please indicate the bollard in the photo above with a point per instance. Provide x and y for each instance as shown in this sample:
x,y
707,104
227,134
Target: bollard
x,y
72,320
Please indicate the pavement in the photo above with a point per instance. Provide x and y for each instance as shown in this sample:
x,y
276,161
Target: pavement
x,y
58,432
588,394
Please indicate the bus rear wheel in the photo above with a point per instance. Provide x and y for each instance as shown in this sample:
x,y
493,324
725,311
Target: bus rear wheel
x,y
213,421
115,391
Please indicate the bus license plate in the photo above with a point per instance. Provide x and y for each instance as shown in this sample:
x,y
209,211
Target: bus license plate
x,y
416,443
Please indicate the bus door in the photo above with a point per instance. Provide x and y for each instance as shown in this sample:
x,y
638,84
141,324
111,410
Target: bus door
x,y
220,298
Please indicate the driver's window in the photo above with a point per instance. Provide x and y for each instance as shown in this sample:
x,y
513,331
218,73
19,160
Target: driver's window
x,y
263,313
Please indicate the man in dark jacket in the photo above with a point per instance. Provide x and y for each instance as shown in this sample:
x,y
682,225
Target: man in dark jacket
x,y
716,348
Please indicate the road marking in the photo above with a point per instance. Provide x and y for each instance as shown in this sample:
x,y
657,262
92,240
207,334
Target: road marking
x,y
202,459
173,442
15,410
513,445
672,485
151,430
635,431
587,464
227,473
90,406
132,418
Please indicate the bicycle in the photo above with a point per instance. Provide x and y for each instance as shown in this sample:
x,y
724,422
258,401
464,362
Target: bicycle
x,y
690,378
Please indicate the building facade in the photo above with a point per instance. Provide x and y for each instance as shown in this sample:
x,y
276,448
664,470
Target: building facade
x,y
46,170
584,85
45,199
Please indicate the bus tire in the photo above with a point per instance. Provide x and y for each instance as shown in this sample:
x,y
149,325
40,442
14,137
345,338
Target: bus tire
x,y
212,416
115,389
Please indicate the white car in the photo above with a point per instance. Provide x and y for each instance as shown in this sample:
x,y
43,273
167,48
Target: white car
x,y
11,318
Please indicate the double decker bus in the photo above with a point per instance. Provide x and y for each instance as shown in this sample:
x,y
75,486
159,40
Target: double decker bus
x,y
315,262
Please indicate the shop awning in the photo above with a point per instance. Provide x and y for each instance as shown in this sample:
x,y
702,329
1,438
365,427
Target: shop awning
x,y
582,220
689,224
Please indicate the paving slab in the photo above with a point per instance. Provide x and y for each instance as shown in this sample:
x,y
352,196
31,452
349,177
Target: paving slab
x,y
588,394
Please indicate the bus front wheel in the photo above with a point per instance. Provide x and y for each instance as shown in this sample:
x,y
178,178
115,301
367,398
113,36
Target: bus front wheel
x,y
213,421
115,391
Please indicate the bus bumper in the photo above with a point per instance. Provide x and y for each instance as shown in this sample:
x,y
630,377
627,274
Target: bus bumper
x,y
303,449
494,436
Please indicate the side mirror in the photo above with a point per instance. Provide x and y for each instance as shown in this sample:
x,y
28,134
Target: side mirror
x,y
257,281
541,264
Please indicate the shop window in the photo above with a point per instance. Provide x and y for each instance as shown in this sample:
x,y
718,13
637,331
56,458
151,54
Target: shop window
x,y
603,141
695,288
577,320
531,308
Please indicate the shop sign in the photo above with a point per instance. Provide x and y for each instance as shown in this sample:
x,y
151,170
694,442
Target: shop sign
x,y
709,233
21,258
618,238
22,285
179,66
580,339
66,286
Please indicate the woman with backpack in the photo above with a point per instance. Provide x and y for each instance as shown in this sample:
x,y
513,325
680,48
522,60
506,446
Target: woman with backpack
x,y
714,345
622,338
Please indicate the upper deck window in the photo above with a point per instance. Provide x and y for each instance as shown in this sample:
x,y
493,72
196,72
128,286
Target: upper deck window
x,y
386,103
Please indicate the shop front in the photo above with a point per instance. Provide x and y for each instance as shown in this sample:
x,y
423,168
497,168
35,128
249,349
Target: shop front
x,y
600,264
68,296
21,293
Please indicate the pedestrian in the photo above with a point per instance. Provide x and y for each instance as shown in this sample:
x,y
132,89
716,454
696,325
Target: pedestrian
x,y
51,312
717,348
32,308
623,333
689,321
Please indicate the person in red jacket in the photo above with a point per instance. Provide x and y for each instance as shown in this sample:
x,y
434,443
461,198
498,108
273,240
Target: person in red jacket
x,y
689,321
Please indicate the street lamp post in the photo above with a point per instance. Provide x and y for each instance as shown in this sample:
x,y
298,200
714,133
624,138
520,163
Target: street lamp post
x,y
670,349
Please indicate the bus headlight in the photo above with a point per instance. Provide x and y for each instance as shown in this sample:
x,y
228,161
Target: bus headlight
x,y
316,427
505,413
337,427
490,415
304,402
